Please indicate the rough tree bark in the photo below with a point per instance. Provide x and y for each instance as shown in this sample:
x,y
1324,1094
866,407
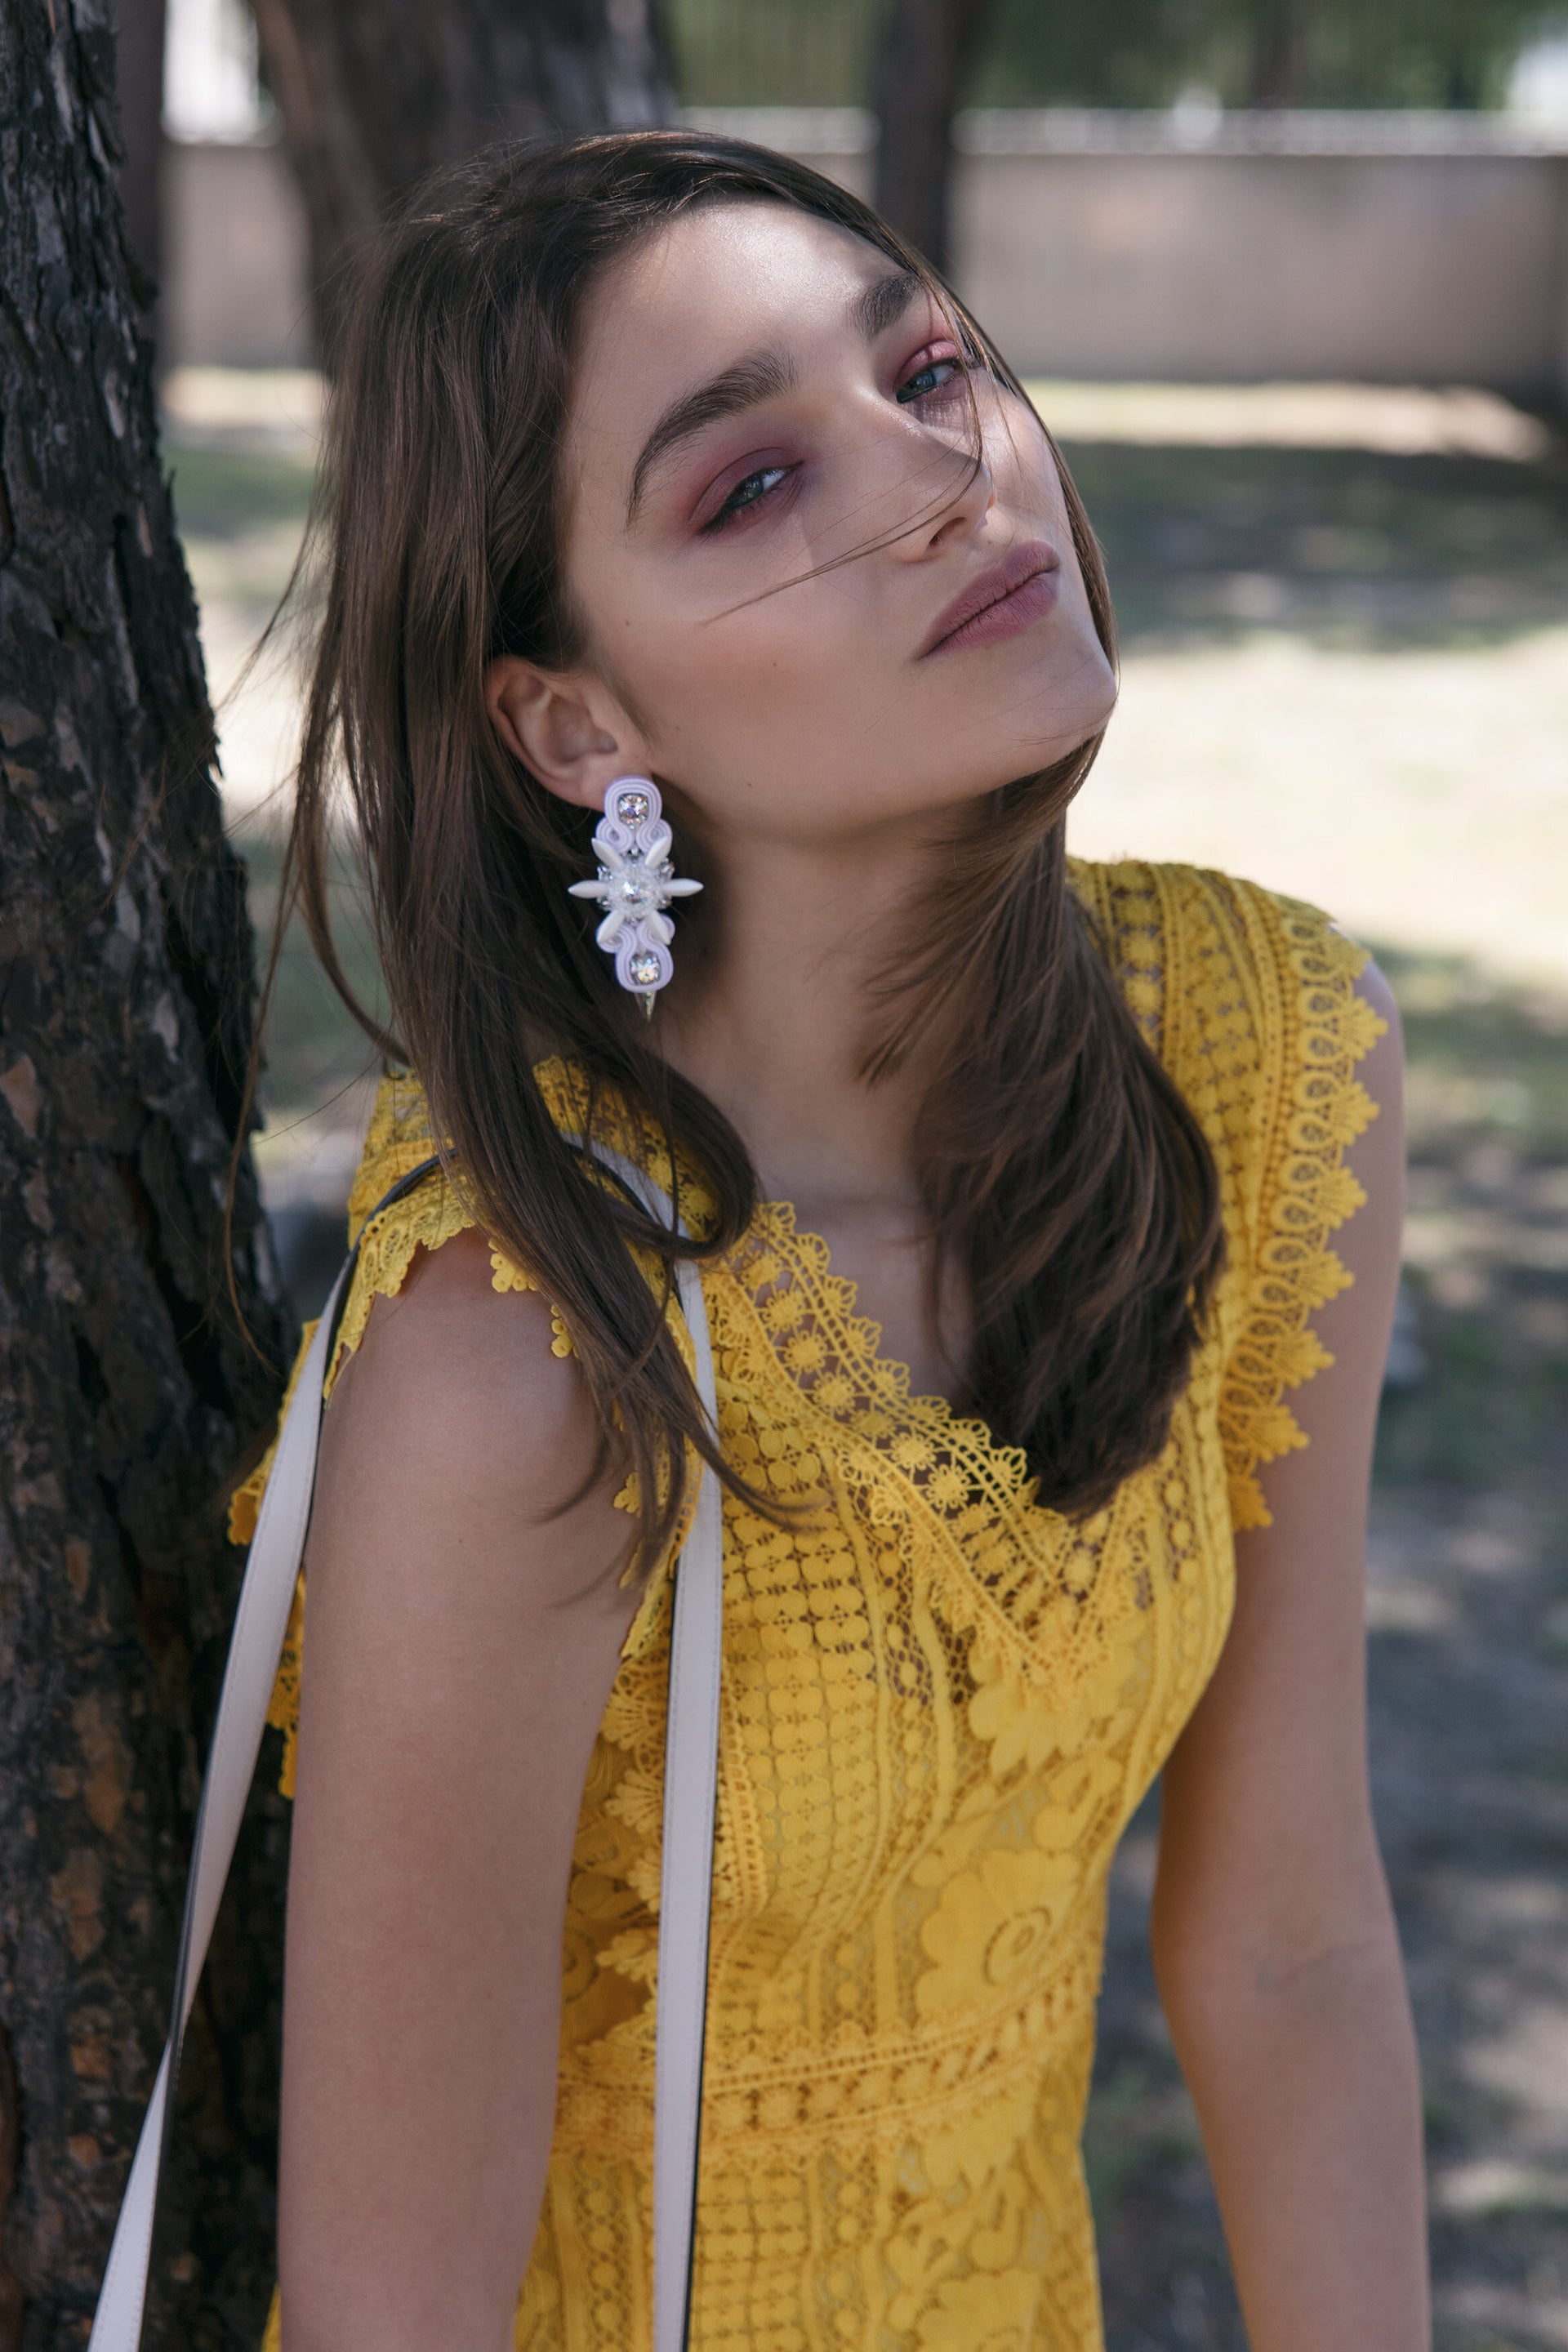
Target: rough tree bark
x,y
127,1387
375,93
925,47
138,65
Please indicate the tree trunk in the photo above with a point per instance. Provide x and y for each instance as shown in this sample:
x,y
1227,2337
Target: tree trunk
x,y
925,50
139,58
127,1385
376,93
1278,54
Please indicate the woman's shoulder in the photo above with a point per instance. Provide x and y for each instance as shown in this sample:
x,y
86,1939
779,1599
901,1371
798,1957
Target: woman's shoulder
x,y
453,1388
1247,994
1176,927
394,1228
389,1227
457,1391
1263,1011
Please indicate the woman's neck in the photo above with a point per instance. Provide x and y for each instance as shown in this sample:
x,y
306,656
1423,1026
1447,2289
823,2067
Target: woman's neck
x,y
774,1016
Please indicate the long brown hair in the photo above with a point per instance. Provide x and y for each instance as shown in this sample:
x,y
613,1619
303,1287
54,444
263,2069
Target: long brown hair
x,y
1063,1172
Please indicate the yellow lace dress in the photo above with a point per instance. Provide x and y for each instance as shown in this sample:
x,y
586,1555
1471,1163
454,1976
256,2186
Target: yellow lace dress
x,y
941,1703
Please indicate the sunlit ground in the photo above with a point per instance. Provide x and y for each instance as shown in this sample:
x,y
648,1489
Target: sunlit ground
x,y
1344,618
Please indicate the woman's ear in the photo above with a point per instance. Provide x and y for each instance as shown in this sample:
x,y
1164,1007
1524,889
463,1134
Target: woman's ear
x,y
567,730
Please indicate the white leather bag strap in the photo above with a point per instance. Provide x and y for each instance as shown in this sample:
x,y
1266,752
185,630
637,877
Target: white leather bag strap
x,y
686,1873
261,1620
686,1876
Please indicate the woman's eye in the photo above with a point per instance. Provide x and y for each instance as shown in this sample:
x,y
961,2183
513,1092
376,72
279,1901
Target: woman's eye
x,y
747,493
934,376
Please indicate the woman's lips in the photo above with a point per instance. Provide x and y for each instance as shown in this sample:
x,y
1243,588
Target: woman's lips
x,y
999,602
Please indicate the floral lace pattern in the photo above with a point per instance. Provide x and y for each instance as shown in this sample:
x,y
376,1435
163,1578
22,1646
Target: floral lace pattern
x,y
941,1703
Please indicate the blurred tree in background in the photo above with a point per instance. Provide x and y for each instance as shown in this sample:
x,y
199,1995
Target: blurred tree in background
x,y
924,54
374,94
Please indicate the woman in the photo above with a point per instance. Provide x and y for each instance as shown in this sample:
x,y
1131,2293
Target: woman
x,y
657,457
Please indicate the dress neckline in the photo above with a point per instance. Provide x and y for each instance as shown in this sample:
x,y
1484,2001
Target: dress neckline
x,y
854,1358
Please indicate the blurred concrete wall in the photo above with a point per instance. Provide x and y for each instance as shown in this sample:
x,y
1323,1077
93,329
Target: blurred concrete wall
x,y
235,259
1403,249
1379,268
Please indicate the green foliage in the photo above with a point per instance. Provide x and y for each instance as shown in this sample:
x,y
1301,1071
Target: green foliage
x,y
773,52
316,1052
1390,53
222,491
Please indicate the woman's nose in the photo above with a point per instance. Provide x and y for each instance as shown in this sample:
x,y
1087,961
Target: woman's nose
x,y
959,492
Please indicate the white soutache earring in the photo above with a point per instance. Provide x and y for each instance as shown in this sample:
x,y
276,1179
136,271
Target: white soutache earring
x,y
636,884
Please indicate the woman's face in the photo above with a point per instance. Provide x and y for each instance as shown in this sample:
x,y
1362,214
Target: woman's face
x,y
774,532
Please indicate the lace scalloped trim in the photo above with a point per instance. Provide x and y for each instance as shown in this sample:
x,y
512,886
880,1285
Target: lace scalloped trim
x,y
1308,1192
998,1549
428,1217
839,1364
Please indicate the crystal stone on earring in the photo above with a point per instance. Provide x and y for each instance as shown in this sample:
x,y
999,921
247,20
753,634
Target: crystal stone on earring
x,y
632,807
644,969
637,888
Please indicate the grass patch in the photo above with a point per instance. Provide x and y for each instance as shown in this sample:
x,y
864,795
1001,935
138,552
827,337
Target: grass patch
x,y
314,1048
222,493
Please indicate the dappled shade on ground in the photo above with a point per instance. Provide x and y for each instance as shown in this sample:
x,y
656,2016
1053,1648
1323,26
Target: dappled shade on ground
x,y
1352,548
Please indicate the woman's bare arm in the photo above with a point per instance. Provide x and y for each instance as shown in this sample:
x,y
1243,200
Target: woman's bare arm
x,y
1274,1940
460,1645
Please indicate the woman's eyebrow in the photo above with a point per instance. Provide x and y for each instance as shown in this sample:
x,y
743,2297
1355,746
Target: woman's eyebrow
x,y
760,378
734,388
879,305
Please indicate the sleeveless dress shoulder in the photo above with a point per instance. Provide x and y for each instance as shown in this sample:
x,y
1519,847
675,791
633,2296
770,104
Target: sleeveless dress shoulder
x,y
942,1702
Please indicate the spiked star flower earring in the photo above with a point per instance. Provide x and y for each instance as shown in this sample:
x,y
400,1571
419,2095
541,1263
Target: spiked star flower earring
x,y
637,882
